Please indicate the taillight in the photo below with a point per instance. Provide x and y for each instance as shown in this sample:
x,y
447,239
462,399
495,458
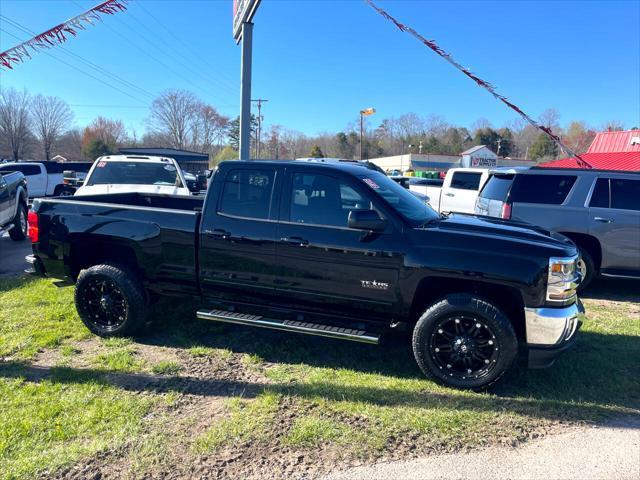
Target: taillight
x,y
34,229
506,211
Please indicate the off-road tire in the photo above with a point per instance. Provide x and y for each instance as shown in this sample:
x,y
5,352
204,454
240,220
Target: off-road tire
x,y
20,229
127,287
504,339
589,266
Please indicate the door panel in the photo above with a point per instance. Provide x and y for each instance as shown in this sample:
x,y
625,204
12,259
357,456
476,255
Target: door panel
x,y
237,238
614,219
461,195
326,266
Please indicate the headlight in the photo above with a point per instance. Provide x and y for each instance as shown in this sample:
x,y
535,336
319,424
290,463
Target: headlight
x,y
563,279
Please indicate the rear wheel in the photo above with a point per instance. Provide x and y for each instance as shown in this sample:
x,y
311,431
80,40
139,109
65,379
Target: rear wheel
x,y
465,342
20,228
110,300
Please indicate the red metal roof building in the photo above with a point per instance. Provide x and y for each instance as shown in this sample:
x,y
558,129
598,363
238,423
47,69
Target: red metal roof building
x,y
608,151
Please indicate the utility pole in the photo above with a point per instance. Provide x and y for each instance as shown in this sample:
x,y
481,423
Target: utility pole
x,y
259,102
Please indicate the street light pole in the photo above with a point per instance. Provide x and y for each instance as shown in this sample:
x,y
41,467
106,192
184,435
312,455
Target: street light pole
x,y
361,125
363,113
245,92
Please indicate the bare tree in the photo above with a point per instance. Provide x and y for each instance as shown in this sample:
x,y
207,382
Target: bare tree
x,y
173,113
111,132
550,118
209,128
612,126
51,118
14,119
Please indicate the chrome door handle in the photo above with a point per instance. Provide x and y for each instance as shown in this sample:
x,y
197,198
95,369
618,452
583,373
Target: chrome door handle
x,y
450,194
603,220
218,233
300,242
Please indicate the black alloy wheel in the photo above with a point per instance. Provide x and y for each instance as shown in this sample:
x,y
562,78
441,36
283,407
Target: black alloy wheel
x,y
105,304
463,341
111,300
463,347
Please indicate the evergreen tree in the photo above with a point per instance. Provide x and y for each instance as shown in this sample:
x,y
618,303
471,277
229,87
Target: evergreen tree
x,y
543,148
316,152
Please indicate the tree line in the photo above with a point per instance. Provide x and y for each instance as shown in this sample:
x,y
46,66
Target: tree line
x,y
40,127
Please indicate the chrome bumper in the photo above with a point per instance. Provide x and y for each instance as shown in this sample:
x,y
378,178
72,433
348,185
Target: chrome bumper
x,y
549,326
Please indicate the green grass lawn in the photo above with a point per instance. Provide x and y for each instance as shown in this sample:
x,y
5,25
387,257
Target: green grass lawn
x,y
312,394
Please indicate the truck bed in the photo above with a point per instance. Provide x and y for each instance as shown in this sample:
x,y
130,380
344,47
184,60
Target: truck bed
x,y
160,231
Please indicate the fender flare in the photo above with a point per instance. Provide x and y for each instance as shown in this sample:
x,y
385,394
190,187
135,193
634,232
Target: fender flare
x,y
21,197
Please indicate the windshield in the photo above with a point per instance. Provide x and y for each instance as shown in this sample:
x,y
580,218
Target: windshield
x,y
414,210
134,173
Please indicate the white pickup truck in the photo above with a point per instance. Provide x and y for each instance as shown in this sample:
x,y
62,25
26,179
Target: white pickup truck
x,y
134,173
459,190
46,179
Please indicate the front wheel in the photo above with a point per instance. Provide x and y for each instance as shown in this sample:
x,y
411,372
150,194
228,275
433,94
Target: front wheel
x,y
110,300
587,269
463,341
20,228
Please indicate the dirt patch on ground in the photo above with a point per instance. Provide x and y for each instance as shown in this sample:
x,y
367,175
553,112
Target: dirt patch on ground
x,y
200,391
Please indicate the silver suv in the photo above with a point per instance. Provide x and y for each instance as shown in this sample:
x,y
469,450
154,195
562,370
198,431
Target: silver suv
x,y
598,209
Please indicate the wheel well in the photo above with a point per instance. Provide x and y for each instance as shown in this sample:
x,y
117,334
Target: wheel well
x,y
84,255
507,299
589,243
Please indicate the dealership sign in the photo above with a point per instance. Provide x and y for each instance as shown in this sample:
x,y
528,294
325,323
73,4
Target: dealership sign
x,y
483,162
243,12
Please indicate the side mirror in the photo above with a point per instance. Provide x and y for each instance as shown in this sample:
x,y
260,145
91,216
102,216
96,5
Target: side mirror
x,y
366,220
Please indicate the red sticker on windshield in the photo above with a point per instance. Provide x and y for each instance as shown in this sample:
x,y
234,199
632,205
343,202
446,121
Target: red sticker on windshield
x,y
371,183
101,164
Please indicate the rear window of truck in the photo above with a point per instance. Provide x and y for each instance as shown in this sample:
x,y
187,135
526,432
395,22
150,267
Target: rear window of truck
x,y
497,187
247,193
544,189
25,169
466,180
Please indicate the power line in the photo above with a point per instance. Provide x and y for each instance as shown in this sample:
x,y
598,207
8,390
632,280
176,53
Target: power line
x,y
84,60
204,73
79,105
182,42
78,69
149,54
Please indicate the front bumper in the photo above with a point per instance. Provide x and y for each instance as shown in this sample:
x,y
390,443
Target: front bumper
x,y
550,332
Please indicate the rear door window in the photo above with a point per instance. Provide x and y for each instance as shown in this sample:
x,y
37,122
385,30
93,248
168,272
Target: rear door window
x,y
545,189
625,194
466,180
497,187
247,193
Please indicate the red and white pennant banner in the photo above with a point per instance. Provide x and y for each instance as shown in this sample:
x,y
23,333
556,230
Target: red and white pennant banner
x,y
486,85
59,34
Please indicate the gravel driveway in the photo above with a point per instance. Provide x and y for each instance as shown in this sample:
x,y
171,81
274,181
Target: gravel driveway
x,y
608,452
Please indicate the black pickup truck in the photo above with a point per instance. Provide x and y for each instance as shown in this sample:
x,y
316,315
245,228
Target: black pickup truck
x,y
332,249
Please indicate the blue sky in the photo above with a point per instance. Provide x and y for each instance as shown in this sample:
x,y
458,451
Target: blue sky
x,y
320,62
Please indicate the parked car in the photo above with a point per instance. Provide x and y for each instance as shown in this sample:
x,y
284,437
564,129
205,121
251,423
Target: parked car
x,y
134,173
46,178
13,205
330,249
460,189
431,187
599,210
